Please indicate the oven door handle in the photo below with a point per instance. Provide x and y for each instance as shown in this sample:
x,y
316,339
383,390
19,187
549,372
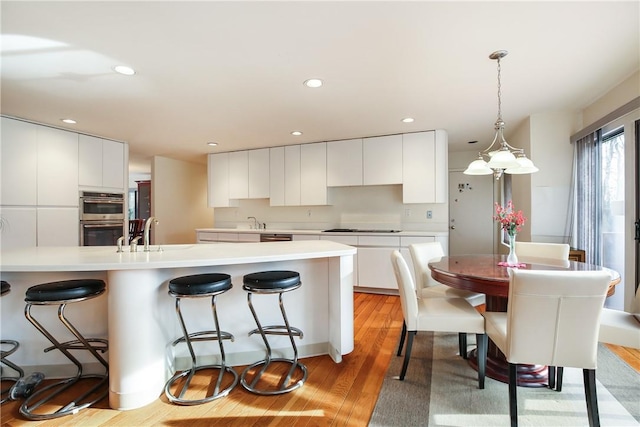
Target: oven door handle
x,y
103,225
116,201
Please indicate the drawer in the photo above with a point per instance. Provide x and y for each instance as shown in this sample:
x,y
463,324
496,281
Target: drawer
x,y
227,237
207,236
346,240
390,241
248,237
405,241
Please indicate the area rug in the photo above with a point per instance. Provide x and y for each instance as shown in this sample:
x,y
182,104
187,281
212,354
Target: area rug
x,y
441,389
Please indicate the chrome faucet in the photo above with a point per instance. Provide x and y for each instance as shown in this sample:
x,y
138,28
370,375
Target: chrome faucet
x,y
134,244
147,226
120,242
256,224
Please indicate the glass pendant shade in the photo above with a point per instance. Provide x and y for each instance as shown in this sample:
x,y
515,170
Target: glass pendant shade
x,y
524,166
478,167
503,159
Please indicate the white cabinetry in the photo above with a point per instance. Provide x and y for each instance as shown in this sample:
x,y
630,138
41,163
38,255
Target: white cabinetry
x,y
19,163
58,226
218,175
101,163
374,261
292,175
18,227
382,160
259,173
276,176
239,175
346,240
425,170
313,174
344,163
226,237
57,167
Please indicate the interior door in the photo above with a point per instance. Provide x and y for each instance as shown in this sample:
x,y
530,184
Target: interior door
x,y
471,228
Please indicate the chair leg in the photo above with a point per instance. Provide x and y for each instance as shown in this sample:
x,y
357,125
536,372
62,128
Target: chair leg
x,y
483,341
552,377
402,335
462,344
407,354
589,376
513,394
559,373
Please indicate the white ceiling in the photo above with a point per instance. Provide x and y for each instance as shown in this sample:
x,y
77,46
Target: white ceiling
x,y
232,72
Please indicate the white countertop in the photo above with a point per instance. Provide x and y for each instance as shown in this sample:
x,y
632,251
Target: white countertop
x,y
97,258
320,232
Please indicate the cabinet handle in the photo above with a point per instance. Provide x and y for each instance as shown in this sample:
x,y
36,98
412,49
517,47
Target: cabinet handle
x,y
453,227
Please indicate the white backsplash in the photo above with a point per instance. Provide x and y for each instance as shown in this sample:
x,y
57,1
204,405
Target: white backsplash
x,y
370,207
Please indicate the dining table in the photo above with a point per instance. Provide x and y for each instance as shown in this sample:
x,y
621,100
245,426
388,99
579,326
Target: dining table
x,y
489,275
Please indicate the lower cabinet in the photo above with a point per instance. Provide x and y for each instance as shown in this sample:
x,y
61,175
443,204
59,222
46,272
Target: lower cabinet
x,y
18,227
22,227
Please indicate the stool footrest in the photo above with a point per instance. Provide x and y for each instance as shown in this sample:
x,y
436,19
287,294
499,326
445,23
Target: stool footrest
x,y
205,336
189,373
278,330
99,344
286,385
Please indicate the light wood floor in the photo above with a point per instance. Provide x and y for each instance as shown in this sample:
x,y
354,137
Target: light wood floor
x,y
334,394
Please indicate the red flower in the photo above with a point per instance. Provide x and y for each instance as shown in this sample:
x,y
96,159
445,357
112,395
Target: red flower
x,y
509,220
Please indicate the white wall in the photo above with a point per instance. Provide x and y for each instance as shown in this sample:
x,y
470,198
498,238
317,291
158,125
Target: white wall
x,y
178,200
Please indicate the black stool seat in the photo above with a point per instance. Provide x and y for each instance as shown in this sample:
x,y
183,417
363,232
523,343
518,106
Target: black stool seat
x,y
65,290
200,284
6,287
278,280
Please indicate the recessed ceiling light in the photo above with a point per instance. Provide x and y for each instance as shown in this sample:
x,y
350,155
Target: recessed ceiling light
x,y
296,133
69,121
123,69
407,120
313,83
212,144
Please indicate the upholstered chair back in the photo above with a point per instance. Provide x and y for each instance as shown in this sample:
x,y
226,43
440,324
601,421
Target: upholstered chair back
x,y
408,299
421,255
553,317
543,250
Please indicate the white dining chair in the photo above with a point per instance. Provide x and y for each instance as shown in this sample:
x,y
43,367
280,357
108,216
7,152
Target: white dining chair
x,y
428,287
543,250
553,319
436,315
620,328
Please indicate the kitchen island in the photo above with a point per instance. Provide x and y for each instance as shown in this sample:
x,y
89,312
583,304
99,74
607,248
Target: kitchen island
x,y
138,317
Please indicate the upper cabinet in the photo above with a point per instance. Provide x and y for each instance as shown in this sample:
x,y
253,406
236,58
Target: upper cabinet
x,y
276,176
344,163
425,170
259,173
239,175
218,175
19,163
57,167
313,174
382,160
292,175
102,163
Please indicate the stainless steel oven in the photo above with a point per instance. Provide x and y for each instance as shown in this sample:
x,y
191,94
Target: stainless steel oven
x,y
101,218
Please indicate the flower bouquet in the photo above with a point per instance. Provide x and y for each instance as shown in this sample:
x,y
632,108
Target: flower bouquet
x,y
510,221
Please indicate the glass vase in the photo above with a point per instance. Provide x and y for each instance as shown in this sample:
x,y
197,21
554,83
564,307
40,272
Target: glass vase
x,y
512,258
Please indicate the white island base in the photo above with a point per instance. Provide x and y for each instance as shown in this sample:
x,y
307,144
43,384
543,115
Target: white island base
x,y
141,316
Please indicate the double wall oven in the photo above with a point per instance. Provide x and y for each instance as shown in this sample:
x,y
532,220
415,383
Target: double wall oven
x,y
101,218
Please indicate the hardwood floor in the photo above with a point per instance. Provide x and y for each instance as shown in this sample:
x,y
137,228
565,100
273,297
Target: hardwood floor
x,y
334,394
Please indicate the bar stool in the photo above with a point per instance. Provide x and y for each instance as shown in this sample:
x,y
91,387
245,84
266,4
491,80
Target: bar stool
x,y
264,283
62,293
199,286
12,346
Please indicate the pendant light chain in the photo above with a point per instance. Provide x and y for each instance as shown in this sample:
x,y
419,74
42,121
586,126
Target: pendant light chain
x,y
499,93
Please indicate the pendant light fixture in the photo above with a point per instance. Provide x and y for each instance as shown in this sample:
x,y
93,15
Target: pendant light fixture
x,y
503,158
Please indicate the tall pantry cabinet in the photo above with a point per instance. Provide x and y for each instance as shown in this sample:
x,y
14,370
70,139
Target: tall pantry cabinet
x,y
40,184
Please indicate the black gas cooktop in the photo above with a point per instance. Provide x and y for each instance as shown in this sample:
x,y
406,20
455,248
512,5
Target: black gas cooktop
x,y
356,230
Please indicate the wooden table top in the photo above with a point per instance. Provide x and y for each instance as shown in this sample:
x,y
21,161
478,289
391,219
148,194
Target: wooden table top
x,y
482,274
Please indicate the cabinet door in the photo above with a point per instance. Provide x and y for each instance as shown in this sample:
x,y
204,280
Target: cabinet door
x,y
292,175
259,174
344,163
424,168
239,175
113,169
58,227
382,160
313,174
57,167
18,227
90,161
276,176
19,163
375,269
218,175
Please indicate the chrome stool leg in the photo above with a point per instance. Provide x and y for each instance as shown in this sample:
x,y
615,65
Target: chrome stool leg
x,y
70,291
195,287
13,346
286,383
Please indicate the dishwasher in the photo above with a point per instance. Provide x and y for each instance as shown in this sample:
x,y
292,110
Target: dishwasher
x,y
264,237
